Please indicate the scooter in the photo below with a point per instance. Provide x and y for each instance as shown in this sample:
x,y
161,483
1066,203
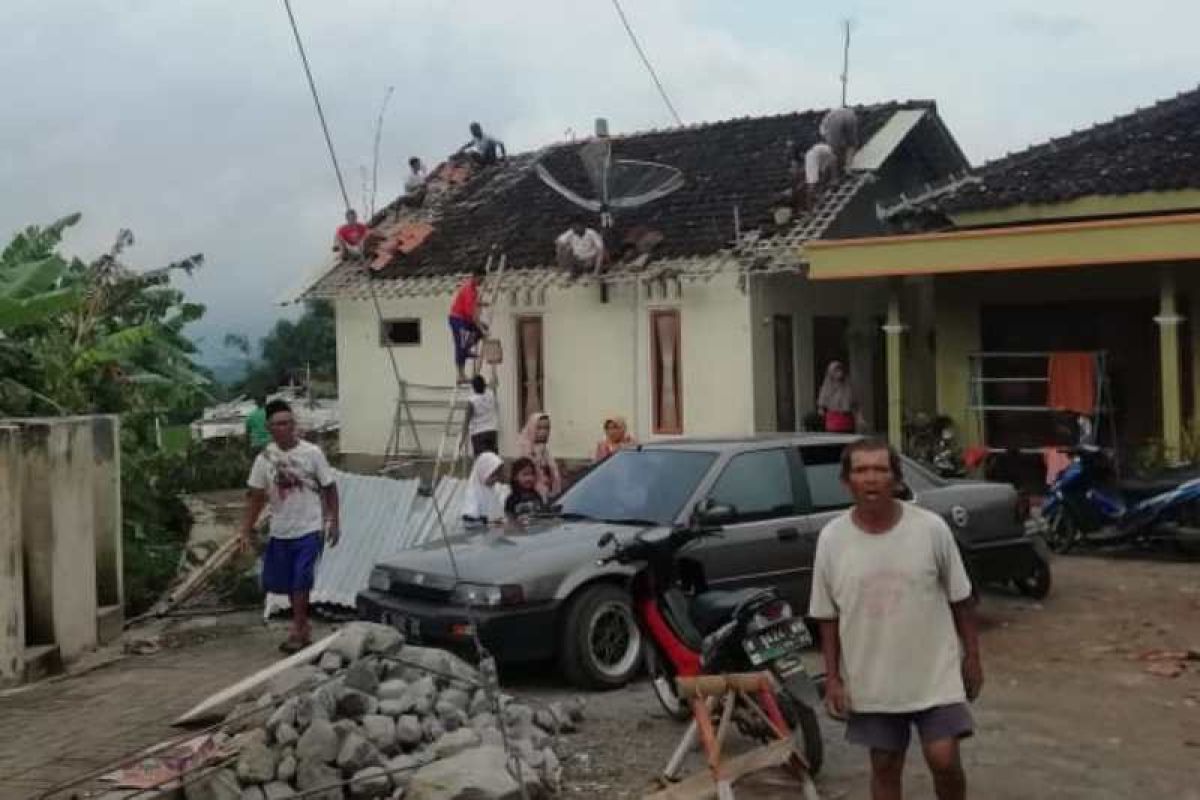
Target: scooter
x,y
718,631
1082,509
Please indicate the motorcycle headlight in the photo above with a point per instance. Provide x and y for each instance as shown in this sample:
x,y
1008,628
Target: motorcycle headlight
x,y
479,594
380,581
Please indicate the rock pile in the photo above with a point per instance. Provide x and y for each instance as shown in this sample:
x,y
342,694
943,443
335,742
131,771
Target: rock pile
x,y
376,718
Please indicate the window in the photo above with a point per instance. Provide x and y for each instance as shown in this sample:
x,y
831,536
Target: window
x,y
530,375
644,484
757,486
666,372
399,332
823,469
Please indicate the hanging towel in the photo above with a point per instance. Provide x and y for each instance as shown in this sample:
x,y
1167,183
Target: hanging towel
x,y
1056,461
1072,382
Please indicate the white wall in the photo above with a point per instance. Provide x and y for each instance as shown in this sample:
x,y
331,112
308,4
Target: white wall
x,y
597,361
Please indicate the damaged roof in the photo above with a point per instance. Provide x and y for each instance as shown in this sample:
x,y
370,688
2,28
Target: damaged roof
x,y
740,164
1153,149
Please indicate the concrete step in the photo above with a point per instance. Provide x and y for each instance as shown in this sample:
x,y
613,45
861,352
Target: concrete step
x,y
42,661
110,622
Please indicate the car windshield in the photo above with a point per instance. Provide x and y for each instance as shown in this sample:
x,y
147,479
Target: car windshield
x,y
638,486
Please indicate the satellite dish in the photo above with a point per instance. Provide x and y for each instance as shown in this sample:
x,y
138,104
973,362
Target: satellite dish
x,y
618,183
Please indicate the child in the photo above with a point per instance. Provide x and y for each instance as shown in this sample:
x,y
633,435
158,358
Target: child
x,y
481,504
524,500
482,418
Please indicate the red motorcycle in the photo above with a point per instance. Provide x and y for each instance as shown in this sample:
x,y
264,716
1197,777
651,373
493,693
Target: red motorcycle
x,y
711,632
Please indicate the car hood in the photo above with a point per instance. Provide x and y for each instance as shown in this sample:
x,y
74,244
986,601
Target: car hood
x,y
498,556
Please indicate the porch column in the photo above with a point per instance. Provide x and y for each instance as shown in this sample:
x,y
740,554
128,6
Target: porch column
x,y
894,329
1168,321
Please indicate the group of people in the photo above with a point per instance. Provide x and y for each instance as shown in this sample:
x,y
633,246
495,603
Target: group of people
x,y
481,149
826,160
534,476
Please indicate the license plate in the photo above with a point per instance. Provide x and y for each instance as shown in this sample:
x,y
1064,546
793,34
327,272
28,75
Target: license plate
x,y
777,641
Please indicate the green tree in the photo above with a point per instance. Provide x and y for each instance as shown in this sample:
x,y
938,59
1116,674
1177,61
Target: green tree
x,y
291,350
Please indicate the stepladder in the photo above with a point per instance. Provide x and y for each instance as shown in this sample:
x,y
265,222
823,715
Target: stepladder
x,y
718,697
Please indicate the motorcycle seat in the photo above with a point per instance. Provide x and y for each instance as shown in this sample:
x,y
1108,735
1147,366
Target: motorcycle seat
x,y
710,609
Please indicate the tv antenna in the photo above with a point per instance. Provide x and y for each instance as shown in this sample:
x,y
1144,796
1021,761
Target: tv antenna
x,y
846,25
618,183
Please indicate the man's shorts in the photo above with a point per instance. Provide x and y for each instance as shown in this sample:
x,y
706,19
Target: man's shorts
x,y
290,565
466,334
891,732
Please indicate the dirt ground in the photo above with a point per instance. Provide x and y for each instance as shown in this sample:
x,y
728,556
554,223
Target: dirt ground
x,y
1068,711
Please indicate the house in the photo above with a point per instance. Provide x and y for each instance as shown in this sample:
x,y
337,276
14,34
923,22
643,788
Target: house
x,y
704,325
1083,247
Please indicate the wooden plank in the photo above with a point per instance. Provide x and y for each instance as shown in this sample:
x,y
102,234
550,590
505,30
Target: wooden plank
x,y
700,785
218,704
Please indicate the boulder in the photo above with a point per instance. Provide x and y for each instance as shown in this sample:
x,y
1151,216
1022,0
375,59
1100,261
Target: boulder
x,y
319,743
286,771
392,689
551,770
330,661
361,677
351,643
408,730
431,661
393,708
479,703
286,683
357,753
354,703
455,742
220,785
253,793
314,775
433,729
480,773
285,714
370,782
381,731
285,734
278,790
256,762
454,698
382,639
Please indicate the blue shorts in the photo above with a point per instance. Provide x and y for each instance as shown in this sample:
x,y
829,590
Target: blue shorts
x,y
290,565
891,732
466,333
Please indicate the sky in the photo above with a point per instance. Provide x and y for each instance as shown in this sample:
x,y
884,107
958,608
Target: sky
x,y
190,122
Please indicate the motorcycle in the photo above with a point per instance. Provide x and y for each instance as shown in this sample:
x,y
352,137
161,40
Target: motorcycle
x,y
932,440
1083,507
718,631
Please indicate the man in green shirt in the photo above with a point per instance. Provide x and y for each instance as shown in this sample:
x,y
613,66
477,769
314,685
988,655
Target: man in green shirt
x,y
256,425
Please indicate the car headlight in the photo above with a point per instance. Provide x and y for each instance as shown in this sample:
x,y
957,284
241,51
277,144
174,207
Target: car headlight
x,y
479,594
380,580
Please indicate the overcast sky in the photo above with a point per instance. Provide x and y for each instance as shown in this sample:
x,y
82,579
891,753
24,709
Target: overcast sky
x,y
190,122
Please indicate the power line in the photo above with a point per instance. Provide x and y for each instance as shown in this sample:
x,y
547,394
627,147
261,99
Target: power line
x,y
649,67
312,87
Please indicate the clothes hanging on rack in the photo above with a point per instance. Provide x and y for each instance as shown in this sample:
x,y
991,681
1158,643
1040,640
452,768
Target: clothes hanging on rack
x,y
1072,378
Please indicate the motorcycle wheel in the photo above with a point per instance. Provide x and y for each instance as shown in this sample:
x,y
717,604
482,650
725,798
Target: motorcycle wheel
x,y
1036,584
662,681
1062,533
806,730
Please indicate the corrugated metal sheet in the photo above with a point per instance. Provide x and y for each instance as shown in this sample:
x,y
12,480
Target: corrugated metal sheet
x,y
380,517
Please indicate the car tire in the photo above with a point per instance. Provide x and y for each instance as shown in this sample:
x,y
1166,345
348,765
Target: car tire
x,y
602,644
662,682
1037,583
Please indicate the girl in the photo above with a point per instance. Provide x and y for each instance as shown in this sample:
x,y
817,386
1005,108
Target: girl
x,y
481,504
616,436
534,444
524,500
836,401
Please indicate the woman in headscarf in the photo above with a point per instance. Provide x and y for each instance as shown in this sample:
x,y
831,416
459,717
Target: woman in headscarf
x,y
616,436
836,402
482,504
534,444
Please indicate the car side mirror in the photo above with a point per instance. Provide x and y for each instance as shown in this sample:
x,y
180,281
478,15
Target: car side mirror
x,y
605,540
710,514
903,491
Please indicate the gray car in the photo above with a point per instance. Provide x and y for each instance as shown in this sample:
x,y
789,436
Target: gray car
x,y
539,593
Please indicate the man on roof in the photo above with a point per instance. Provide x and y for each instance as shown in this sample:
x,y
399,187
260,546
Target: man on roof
x,y
465,327
483,149
579,248
818,169
839,128
414,184
349,239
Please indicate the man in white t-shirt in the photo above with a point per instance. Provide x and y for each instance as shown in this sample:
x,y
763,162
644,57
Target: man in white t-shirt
x,y
293,476
898,629
483,418
579,248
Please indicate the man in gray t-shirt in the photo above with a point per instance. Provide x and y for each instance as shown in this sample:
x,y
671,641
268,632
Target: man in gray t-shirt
x,y
898,628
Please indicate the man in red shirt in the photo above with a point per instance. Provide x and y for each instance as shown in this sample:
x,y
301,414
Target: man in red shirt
x,y
350,237
465,327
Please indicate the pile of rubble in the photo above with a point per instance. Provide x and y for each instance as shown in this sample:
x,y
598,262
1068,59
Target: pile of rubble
x,y
376,718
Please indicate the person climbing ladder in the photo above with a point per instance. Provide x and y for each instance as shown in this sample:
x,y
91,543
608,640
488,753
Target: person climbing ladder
x,y
465,326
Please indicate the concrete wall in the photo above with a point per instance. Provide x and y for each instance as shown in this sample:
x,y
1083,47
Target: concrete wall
x,y
12,573
596,361
58,513
106,496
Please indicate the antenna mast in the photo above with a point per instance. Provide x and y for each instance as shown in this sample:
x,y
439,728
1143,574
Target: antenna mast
x,y
845,57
